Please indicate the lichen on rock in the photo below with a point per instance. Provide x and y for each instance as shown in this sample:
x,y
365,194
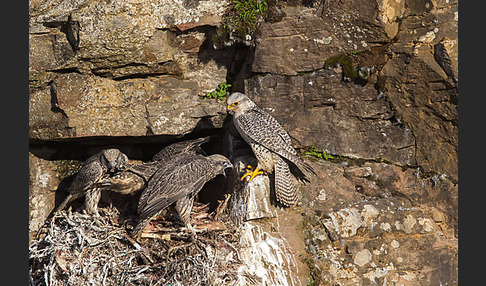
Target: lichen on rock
x,y
372,83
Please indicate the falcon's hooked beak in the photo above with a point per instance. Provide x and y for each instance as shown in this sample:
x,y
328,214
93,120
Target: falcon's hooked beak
x,y
111,166
232,106
226,166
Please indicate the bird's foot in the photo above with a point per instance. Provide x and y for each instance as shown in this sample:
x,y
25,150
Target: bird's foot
x,y
252,173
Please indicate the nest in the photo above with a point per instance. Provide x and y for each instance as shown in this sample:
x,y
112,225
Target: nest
x,y
73,248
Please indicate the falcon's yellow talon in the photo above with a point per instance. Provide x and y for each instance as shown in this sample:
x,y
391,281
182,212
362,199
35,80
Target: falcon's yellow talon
x,y
245,175
252,174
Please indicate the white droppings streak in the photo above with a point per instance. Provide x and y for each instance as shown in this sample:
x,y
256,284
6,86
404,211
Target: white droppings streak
x,y
265,256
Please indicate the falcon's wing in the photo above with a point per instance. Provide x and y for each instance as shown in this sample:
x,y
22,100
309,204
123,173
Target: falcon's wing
x,y
145,170
180,147
86,176
167,186
265,130
162,168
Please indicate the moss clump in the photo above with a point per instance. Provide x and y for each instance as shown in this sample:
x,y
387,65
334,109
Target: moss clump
x,y
241,21
346,62
247,16
357,66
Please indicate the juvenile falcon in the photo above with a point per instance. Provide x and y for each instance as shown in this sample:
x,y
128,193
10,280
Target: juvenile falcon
x,y
135,177
179,182
92,170
270,143
181,147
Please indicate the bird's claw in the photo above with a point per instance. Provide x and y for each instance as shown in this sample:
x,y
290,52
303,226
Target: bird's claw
x,y
252,173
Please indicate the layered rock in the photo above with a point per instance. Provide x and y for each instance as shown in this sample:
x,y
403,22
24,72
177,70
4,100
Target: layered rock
x,y
133,107
426,55
347,119
385,105
45,179
307,37
373,83
99,71
123,68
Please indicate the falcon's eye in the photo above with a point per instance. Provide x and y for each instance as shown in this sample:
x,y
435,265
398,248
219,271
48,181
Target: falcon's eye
x,y
236,103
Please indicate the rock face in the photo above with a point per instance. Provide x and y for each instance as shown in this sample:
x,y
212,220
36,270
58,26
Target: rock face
x,y
389,211
122,69
365,230
46,177
372,83
347,117
313,35
119,70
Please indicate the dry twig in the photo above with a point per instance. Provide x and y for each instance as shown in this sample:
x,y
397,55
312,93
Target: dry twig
x,y
76,249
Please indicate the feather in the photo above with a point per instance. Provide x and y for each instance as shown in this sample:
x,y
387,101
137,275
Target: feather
x,y
265,130
285,191
178,182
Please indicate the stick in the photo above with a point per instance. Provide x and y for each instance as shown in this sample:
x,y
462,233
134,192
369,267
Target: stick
x,y
222,207
140,248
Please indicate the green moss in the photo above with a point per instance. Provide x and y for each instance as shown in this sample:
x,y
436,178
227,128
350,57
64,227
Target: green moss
x,y
346,62
247,15
312,268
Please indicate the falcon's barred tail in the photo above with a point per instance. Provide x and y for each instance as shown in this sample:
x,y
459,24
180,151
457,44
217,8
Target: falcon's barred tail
x,y
285,191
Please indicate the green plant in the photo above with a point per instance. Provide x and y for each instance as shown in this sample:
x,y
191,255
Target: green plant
x,y
220,92
242,20
248,13
314,152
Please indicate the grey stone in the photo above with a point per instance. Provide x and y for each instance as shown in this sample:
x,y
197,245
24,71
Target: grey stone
x,y
342,118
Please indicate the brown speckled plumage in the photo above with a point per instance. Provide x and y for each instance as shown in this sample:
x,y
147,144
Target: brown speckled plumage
x,y
90,173
270,143
135,178
181,179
